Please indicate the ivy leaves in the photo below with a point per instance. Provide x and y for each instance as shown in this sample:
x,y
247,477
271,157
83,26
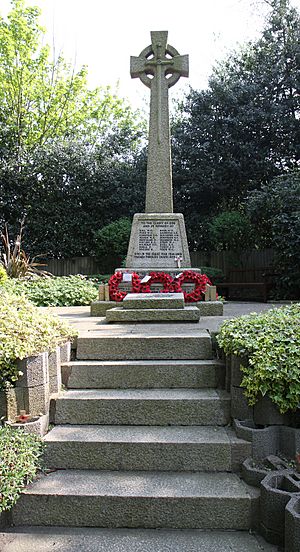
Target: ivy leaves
x,y
271,342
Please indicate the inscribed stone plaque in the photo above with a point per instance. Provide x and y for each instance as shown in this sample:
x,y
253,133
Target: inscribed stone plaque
x,y
158,241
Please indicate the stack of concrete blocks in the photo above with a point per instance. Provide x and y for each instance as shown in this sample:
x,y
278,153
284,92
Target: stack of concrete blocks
x,y
270,433
41,378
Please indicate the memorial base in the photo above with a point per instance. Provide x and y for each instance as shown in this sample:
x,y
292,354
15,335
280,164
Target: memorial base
x,y
158,243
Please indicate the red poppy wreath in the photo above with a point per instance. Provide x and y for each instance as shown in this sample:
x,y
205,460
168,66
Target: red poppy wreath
x,y
200,281
158,278
117,295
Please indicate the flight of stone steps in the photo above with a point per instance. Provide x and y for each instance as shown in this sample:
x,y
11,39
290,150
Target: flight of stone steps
x,y
144,444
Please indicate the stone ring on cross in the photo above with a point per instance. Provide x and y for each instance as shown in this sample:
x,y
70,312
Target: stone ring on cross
x,y
158,60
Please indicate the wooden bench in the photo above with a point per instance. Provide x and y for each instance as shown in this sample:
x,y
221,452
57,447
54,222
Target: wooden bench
x,y
258,279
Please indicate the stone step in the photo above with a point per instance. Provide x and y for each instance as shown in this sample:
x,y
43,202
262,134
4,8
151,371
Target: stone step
x,y
145,448
186,314
156,344
137,499
142,407
143,374
88,539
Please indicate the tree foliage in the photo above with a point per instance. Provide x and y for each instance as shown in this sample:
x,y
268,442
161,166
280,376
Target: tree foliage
x,y
244,129
231,230
66,192
275,212
67,153
43,99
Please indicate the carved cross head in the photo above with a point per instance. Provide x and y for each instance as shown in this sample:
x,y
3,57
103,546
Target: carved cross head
x,y
159,58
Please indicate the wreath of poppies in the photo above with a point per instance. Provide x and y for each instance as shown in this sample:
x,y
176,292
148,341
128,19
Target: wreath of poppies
x,y
158,278
200,281
114,293
169,284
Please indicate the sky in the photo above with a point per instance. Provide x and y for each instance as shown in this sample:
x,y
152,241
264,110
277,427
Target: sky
x,y
103,34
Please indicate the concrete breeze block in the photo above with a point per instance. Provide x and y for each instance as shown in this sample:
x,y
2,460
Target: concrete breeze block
x,y
276,491
35,371
54,363
292,525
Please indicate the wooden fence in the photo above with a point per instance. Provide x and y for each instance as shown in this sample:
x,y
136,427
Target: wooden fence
x,y
249,261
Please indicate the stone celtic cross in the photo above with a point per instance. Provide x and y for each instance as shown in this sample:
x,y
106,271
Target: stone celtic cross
x,y
159,66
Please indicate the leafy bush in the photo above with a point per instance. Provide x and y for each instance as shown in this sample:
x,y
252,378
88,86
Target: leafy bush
x,y
271,343
3,275
231,230
60,291
24,331
113,239
19,460
214,274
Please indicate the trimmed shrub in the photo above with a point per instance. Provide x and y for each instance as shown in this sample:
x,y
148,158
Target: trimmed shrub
x,y
215,275
113,239
20,454
25,331
271,343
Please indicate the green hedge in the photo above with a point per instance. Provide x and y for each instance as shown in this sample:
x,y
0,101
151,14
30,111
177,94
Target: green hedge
x,y
271,343
60,291
19,460
25,330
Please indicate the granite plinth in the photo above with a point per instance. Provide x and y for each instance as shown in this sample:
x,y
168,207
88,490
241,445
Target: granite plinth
x,y
209,308
186,314
99,308
153,301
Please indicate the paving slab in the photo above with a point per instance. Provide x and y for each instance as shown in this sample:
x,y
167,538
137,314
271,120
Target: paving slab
x,y
75,539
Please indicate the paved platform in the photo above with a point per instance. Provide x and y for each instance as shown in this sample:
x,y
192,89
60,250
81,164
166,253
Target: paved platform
x,y
83,322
